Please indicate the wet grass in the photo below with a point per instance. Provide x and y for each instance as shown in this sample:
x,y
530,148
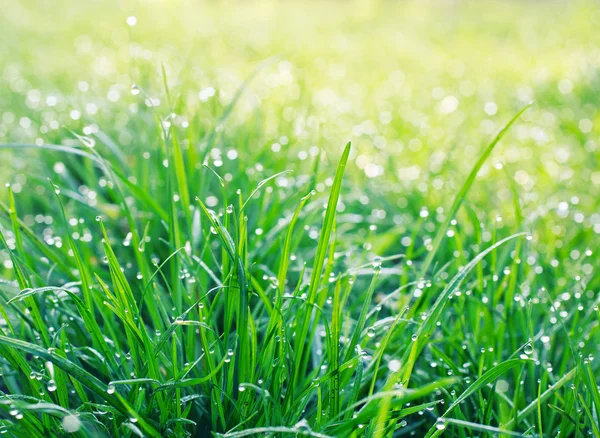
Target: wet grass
x,y
303,233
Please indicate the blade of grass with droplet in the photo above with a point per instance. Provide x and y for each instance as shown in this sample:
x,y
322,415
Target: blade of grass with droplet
x,y
87,379
24,283
29,421
539,411
315,279
322,291
267,431
378,356
458,200
89,321
39,243
378,423
145,426
593,422
34,291
126,308
15,223
242,312
92,326
141,261
334,353
428,325
478,240
357,385
285,252
530,408
18,361
370,406
218,414
484,428
180,176
488,377
362,318
259,186
514,270
121,285
58,375
589,379
82,268
190,382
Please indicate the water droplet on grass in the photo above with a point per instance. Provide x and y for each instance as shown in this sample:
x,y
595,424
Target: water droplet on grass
x,y
71,423
440,424
87,141
51,385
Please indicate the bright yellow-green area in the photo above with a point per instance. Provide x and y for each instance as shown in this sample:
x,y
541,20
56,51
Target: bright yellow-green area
x,y
418,87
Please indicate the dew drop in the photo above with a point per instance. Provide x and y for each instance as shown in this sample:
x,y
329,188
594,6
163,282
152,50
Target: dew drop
x,y
71,423
394,365
51,385
440,424
87,141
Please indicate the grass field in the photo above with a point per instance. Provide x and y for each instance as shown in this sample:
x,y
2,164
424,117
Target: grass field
x,y
327,219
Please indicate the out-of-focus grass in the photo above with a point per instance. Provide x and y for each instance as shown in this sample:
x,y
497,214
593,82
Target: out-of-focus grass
x,y
384,74
171,93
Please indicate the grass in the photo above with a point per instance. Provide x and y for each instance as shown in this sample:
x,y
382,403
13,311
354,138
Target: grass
x,y
187,247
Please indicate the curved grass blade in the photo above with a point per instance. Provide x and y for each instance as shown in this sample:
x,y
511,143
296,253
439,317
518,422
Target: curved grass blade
x,y
460,197
483,381
428,326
